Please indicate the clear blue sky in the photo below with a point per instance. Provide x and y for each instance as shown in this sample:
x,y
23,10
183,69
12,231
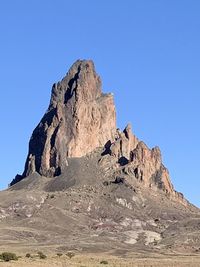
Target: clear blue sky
x,y
147,53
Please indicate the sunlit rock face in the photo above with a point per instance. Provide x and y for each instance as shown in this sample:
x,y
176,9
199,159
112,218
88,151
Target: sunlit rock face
x,y
79,119
138,160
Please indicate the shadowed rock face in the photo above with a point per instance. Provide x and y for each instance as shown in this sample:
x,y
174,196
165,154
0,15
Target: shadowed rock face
x,y
79,119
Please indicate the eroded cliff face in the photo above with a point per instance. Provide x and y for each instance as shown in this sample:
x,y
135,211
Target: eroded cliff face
x,y
134,158
79,119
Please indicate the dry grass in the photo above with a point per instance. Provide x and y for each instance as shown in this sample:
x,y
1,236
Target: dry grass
x,y
95,261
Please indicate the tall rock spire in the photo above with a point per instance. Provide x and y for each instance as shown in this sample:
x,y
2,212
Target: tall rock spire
x,y
79,119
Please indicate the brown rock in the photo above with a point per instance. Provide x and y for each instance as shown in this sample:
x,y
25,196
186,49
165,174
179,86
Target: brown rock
x,y
79,119
143,163
146,165
124,143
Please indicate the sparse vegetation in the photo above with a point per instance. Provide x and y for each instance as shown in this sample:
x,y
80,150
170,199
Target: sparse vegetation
x,y
82,260
50,196
103,262
8,256
70,254
41,255
59,254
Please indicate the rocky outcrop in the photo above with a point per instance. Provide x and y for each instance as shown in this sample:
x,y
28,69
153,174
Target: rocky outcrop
x,y
79,119
138,160
123,144
146,165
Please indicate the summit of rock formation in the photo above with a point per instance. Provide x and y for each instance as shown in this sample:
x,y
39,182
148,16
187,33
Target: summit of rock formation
x,y
79,119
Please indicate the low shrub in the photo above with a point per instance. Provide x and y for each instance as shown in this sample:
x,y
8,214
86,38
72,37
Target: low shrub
x,y
41,255
70,254
59,254
103,262
8,256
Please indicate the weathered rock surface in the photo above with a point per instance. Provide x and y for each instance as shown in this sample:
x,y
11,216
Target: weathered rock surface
x,y
79,119
146,165
123,144
139,161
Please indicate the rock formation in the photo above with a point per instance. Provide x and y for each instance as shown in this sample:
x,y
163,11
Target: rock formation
x,y
79,119
139,161
90,187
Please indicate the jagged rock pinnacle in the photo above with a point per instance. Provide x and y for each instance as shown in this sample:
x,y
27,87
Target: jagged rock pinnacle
x,y
79,119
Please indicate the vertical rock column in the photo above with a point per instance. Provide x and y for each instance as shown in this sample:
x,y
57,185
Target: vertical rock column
x,y
79,119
